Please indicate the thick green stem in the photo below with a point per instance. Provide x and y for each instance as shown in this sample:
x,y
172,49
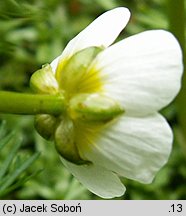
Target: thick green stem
x,y
30,104
177,27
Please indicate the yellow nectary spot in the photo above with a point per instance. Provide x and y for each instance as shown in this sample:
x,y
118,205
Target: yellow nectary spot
x,y
74,75
91,82
86,134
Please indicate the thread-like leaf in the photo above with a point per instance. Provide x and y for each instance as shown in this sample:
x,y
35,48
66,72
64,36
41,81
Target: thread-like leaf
x,y
2,128
20,182
6,163
6,140
12,167
18,171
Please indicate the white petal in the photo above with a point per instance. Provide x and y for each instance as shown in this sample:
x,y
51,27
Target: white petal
x,y
54,64
98,180
143,72
135,148
101,32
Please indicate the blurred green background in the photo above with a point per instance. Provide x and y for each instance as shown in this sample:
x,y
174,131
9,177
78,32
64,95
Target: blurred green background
x,y
33,33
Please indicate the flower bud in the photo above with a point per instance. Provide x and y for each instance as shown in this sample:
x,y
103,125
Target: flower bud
x,y
43,81
94,107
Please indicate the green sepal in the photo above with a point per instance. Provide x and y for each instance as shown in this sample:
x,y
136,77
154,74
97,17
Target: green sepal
x,y
46,125
43,81
94,107
71,74
65,142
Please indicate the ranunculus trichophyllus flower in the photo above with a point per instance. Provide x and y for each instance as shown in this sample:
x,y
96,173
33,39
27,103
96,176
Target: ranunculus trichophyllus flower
x,y
111,127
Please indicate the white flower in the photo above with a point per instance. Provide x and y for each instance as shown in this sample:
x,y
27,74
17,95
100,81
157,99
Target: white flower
x,y
143,74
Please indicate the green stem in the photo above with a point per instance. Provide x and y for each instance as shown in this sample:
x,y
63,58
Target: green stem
x,y
30,104
177,27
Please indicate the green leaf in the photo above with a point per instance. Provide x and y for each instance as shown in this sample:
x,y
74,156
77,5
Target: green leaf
x,y
17,172
20,182
6,140
2,128
4,167
13,166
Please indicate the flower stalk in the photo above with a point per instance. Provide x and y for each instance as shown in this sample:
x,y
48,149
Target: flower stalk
x,y
31,104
